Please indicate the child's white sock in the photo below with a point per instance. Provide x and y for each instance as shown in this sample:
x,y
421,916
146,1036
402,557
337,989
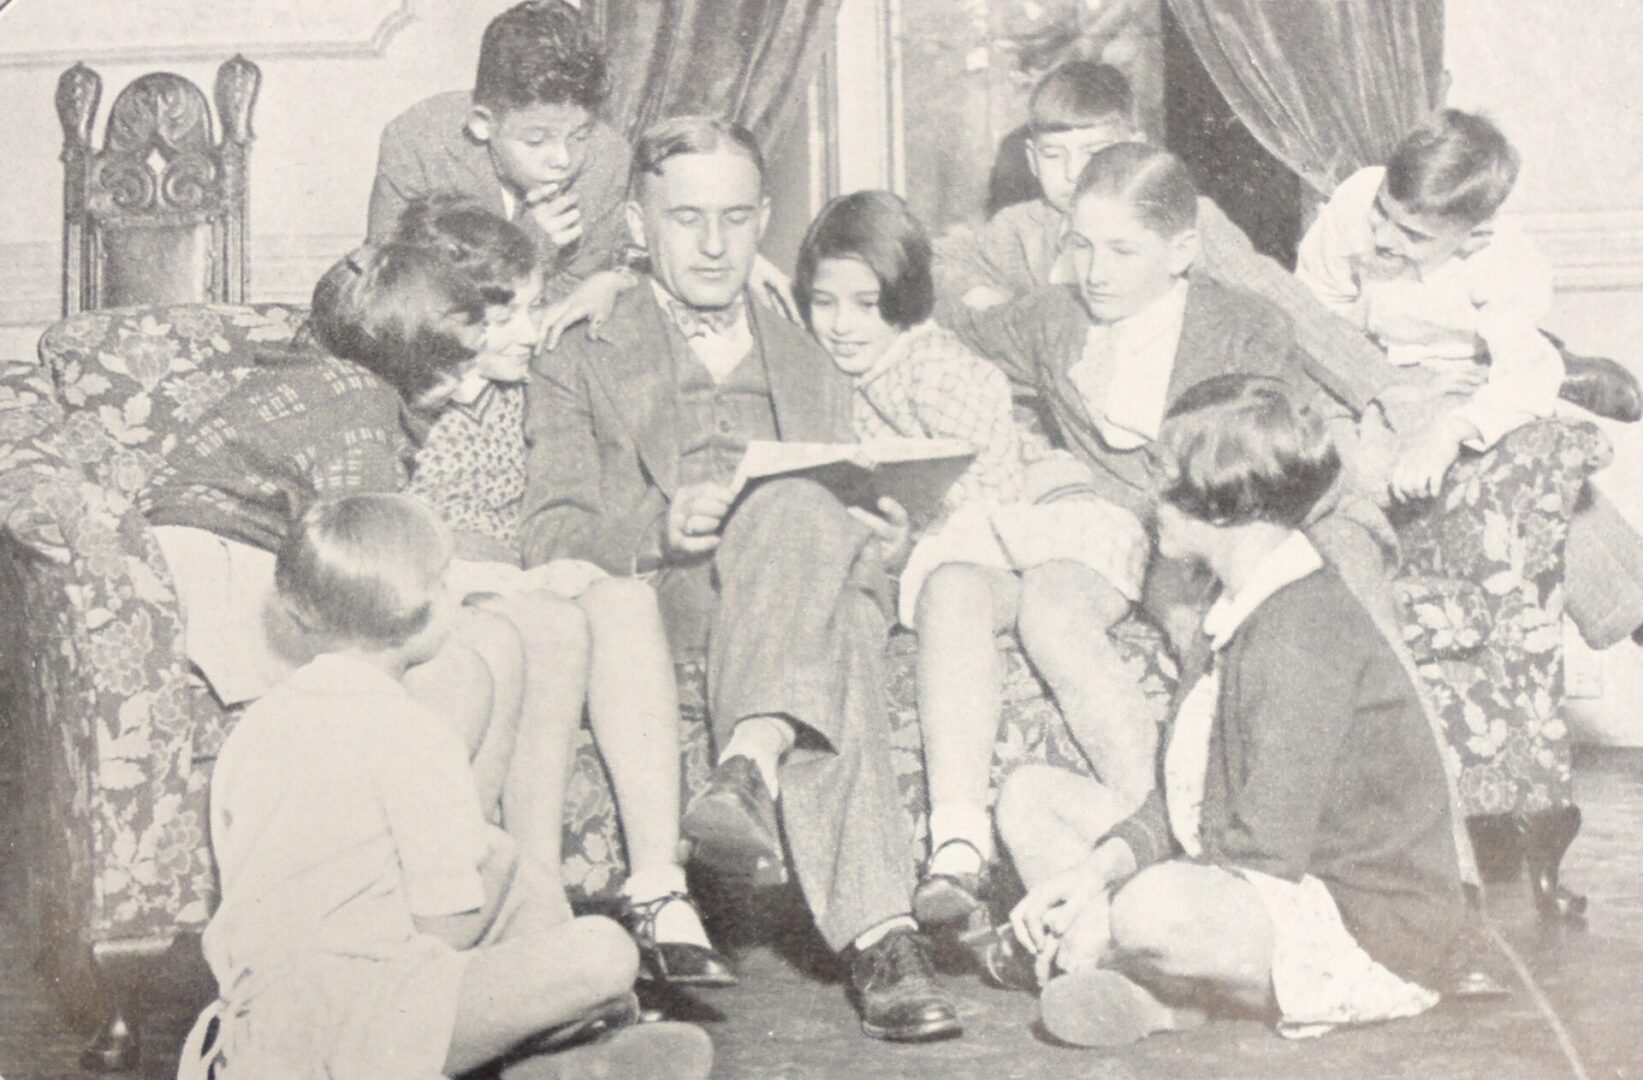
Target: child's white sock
x,y
875,934
763,739
967,822
675,921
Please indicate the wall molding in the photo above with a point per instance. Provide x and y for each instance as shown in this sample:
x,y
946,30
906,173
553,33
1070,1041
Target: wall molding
x,y
1590,250
350,32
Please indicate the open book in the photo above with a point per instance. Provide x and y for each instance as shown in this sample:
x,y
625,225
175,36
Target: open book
x,y
917,473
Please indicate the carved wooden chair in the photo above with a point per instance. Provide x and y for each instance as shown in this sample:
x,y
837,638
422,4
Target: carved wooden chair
x,y
159,213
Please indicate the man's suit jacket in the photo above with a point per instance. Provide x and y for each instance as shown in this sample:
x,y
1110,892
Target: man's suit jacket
x,y
1038,337
427,150
602,428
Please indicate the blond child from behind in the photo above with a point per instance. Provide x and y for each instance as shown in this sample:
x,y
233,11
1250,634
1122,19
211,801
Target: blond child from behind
x,y
372,924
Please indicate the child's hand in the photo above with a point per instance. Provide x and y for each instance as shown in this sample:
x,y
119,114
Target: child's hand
x,y
1053,905
592,300
1424,459
556,214
892,529
774,286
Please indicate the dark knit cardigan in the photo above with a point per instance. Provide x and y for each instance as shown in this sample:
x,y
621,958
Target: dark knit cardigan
x,y
1321,762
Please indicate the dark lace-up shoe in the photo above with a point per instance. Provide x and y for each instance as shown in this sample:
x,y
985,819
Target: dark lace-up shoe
x,y
893,984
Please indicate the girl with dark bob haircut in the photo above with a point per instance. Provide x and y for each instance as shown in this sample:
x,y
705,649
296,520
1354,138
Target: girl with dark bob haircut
x,y
875,228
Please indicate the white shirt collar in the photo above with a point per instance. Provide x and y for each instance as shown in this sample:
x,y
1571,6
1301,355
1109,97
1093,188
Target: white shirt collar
x,y
1289,562
340,673
1124,376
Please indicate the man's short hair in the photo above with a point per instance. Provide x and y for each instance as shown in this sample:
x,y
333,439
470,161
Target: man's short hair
x,y
1237,449
1151,181
395,310
878,229
678,135
1079,94
539,53
361,569
1454,165
492,251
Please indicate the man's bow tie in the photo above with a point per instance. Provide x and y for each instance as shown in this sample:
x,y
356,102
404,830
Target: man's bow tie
x,y
702,322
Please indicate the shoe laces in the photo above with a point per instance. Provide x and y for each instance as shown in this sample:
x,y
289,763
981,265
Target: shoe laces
x,y
643,913
900,954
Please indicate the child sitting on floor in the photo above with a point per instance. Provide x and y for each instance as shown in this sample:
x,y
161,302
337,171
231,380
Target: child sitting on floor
x,y
1299,858
471,468
863,285
372,924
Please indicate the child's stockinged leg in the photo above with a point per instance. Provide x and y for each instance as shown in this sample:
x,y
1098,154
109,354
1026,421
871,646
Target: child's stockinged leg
x,y
1067,610
554,637
534,981
633,705
961,609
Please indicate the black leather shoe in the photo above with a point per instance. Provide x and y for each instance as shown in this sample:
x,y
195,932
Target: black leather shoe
x,y
942,900
675,963
732,824
1546,836
893,984
1602,386
1004,961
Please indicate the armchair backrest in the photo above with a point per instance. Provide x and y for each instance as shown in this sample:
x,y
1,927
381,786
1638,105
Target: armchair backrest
x,y
159,213
129,380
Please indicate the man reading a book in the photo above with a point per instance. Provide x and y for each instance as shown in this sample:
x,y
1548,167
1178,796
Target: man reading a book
x,y
634,440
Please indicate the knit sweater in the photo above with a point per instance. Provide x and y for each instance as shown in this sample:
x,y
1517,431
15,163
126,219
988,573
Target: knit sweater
x,y
1322,763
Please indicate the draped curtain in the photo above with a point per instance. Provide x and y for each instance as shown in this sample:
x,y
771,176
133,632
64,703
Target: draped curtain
x,y
1327,86
747,60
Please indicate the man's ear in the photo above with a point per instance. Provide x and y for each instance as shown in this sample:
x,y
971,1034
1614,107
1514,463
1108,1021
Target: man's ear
x,y
1183,251
481,123
636,224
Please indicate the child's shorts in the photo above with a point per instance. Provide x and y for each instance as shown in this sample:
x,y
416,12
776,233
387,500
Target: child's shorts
x,y
1093,532
1321,976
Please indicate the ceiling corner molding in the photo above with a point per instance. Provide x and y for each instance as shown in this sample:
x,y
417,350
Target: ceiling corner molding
x,y
33,35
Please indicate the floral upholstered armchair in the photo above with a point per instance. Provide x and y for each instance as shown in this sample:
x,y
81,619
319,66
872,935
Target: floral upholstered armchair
x,y
1482,591
118,733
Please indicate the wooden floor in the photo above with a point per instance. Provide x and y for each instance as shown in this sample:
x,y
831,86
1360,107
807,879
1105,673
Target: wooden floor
x,y
789,1017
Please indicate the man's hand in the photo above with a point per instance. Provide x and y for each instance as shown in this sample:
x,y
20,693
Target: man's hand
x,y
891,528
1424,458
694,519
555,214
592,300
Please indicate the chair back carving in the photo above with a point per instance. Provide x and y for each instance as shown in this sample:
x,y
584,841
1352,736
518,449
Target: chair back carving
x,y
159,214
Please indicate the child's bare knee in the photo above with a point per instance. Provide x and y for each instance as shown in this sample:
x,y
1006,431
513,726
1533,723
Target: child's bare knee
x,y
495,639
620,594
1024,804
1149,913
549,623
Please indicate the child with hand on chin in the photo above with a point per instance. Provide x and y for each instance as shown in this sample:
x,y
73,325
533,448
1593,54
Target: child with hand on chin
x,y
1299,859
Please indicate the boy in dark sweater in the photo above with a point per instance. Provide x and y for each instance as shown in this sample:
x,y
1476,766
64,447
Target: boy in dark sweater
x,y
1297,859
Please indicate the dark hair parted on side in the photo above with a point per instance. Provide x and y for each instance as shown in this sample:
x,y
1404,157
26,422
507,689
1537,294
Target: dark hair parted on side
x,y
1078,94
678,135
396,310
539,53
493,252
1151,181
1236,449
878,229
1454,165
361,569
